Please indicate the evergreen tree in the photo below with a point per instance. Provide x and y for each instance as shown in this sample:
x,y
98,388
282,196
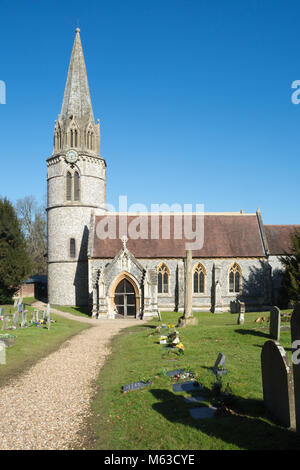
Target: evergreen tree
x,y
14,259
290,287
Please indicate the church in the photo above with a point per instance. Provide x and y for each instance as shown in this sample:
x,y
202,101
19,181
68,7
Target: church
x,y
132,265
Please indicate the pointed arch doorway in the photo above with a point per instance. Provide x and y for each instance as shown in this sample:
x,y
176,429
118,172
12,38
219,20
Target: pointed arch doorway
x,y
125,299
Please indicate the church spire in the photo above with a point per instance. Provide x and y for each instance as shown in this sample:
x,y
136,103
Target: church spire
x,y
77,100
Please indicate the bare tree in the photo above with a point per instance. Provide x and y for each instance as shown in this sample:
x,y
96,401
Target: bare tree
x,y
33,221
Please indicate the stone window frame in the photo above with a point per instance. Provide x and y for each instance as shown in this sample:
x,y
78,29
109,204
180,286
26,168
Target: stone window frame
x,y
203,270
234,268
70,248
72,170
167,271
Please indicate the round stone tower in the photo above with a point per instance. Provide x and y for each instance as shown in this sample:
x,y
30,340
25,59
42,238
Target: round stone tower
x,y
76,186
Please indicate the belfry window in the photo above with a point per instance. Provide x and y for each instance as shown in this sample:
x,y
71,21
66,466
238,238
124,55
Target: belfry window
x,y
199,279
235,278
69,186
163,279
76,186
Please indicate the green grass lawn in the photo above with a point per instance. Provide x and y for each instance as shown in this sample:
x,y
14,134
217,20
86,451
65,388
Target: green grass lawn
x,y
157,418
34,343
80,311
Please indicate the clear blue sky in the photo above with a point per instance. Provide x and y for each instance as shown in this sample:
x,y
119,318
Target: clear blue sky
x,y
194,98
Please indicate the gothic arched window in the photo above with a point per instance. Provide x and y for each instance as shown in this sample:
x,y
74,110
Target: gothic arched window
x,y
76,186
234,278
69,186
163,274
199,279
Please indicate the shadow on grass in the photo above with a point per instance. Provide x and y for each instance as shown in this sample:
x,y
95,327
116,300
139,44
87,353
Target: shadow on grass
x,y
243,331
249,432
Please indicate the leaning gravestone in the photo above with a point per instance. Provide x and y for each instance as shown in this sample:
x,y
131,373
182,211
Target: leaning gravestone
x,y
219,368
277,382
275,323
295,334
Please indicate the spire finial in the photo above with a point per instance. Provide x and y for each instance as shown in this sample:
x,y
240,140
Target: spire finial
x,y
77,30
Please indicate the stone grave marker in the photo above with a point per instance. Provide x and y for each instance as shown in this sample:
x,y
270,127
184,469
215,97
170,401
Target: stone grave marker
x,y
187,387
16,320
135,386
241,318
15,302
295,334
24,318
5,322
277,384
219,367
203,412
1,311
2,353
31,317
275,323
37,315
48,319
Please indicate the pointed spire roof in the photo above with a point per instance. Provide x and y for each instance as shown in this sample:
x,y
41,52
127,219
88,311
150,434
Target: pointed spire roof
x,y
77,100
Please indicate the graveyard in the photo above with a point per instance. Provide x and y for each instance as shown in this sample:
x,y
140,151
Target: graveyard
x,y
33,340
159,414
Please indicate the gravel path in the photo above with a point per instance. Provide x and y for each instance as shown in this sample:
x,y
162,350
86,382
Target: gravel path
x,y
45,407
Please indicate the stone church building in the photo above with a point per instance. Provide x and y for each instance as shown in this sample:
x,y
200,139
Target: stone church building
x,y
136,276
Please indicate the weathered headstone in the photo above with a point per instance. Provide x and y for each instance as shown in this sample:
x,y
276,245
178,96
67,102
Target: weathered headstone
x,y
15,320
219,367
48,319
1,311
31,317
295,334
5,322
241,318
277,383
135,386
37,313
188,318
24,318
275,323
2,353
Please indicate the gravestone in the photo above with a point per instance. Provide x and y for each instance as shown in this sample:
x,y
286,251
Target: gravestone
x,y
241,318
24,318
48,319
275,323
2,353
1,311
16,319
37,315
186,386
135,386
15,302
32,317
5,322
277,384
219,367
203,412
242,307
295,334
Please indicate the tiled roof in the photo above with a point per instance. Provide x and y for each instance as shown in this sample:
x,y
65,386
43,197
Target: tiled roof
x,y
278,238
225,235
